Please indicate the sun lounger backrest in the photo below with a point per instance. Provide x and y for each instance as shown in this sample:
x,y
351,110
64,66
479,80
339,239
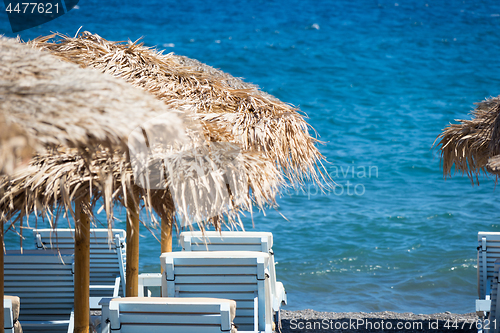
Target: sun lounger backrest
x,y
240,275
43,280
488,252
226,241
179,315
237,241
494,316
107,258
231,241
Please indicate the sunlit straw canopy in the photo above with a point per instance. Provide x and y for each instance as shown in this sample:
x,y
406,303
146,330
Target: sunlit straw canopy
x,y
229,109
52,103
59,103
473,145
249,141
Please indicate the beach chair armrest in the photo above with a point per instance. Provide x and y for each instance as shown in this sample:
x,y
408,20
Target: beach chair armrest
x,y
114,316
483,306
148,280
105,323
71,326
281,293
7,315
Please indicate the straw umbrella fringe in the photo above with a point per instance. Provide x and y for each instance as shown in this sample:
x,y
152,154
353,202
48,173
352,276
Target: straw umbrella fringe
x,y
229,109
56,179
472,145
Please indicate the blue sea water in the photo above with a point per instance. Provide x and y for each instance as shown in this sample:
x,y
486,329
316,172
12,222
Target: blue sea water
x,y
379,80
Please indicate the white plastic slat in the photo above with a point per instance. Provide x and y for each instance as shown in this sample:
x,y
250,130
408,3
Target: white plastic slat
x,y
40,277
244,320
226,247
226,279
244,312
51,283
234,296
214,270
212,240
182,308
216,287
172,328
206,259
164,318
491,236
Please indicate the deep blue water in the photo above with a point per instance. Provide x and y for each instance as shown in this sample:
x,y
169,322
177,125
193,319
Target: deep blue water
x,y
378,80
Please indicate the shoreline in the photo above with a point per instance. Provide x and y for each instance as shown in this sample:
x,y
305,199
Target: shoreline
x,y
314,321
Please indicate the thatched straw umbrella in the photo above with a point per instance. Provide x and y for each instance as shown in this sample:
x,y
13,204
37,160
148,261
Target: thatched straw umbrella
x,y
228,109
57,104
473,145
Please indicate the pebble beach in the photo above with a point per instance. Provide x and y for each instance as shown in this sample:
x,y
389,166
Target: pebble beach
x,y
313,321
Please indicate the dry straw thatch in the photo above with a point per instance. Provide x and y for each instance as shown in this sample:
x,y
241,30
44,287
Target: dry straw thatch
x,y
47,103
58,178
16,146
247,134
59,103
472,145
229,109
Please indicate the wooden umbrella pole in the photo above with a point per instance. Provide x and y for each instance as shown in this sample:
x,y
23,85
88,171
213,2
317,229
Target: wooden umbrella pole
x,y
132,273
82,267
166,233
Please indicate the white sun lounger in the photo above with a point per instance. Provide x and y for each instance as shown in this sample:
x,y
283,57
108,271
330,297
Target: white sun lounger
x,y
488,325
11,314
107,259
238,275
488,251
43,280
168,314
239,241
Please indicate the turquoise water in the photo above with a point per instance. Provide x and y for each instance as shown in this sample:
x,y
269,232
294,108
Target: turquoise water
x,y
378,80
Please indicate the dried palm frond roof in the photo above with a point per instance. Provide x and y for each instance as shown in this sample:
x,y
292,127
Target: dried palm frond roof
x,y
471,145
59,103
493,165
229,109
55,179
205,179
